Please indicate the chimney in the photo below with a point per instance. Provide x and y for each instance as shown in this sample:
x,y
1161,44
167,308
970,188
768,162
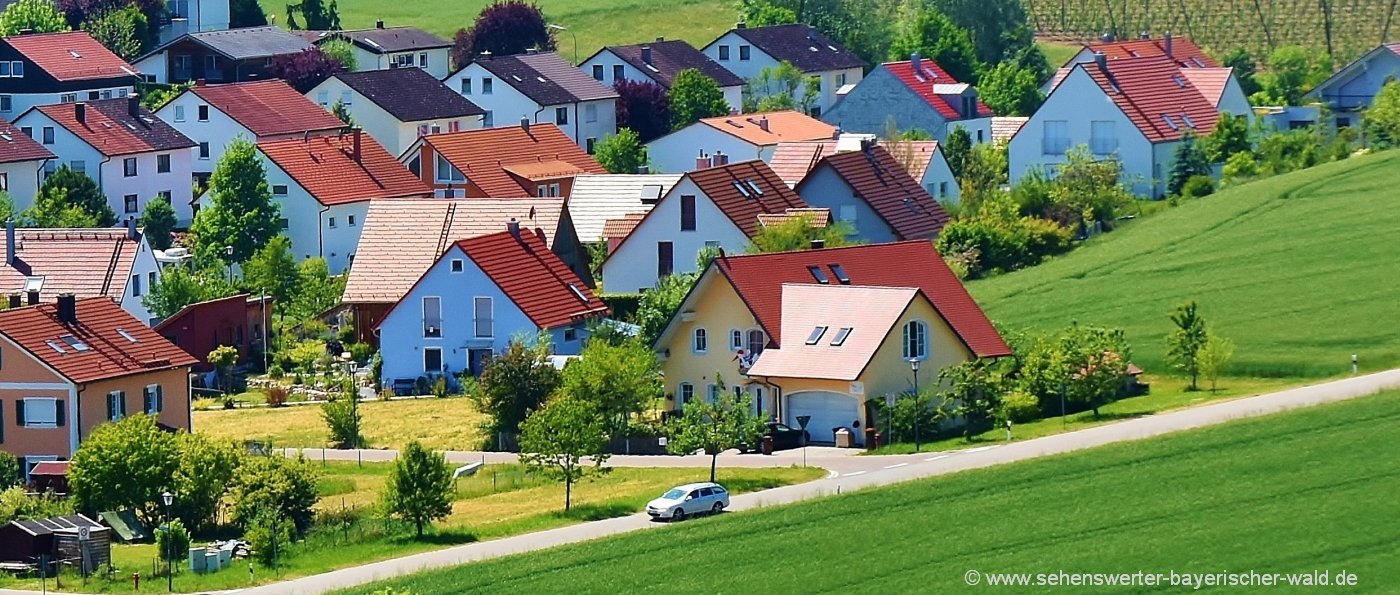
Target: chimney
x,y
531,51
646,54
379,24
836,133
1101,61
32,298
867,144
355,151
818,244
514,227
131,233
741,25
485,55
763,123
133,106
916,62
643,169
16,301
525,124
10,241
199,82
67,308
1167,41
1144,36
702,162
80,112
660,39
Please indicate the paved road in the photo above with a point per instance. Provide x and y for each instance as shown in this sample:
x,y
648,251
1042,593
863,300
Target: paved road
x,y
859,473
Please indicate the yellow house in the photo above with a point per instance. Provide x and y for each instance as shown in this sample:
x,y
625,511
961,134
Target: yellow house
x,y
746,324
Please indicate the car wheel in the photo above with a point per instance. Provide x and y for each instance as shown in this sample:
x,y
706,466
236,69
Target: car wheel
x,y
717,508
678,515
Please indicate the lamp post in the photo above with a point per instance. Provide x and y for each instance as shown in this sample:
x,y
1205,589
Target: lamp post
x,y
169,499
228,251
914,366
346,358
575,36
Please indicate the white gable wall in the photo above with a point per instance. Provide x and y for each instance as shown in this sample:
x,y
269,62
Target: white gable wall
x,y
831,80
633,266
218,131
675,153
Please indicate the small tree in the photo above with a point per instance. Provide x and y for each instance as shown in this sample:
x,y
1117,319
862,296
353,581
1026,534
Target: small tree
x,y
305,69
1188,161
514,383
172,542
1095,363
655,308
644,107
79,190
622,380
127,464
621,153
555,439
798,233
694,96
242,214
343,420
339,110
1213,357
52,209
275,484
1011,90
956,150
781,87
178,288
269,533
1382,121
120,30
39,16
342,51
273,269
1242,63
975,392
223,358
1185,341
246,13
420,487
715,426
203,479
316,291
504,28
1231,136
158,223
10,475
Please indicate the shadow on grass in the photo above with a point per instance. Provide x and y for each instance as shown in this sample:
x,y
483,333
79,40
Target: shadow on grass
x,y
596,512
440,537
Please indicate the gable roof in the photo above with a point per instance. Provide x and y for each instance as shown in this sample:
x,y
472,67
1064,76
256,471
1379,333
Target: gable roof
x,y
384,40
71,56
1211,82
247,43
401,238
100,326
935,86
597,199
484,155
869,312
816,217
1155,96
84,262
1345,73
1184,52
16,146
1005,127
730,188
268,108
669,58
327,167
409,94
618,229
546,78
770,128
758,279
802,45
111,127
877,178
533,277
792,160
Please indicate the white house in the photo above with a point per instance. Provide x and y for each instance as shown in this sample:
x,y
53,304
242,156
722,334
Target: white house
x,y
479,295
712,207
22,162
214,115
132,155
923,160
659,62
383,48
1135,110
539,87
871,191
116,263
190,16
1352,89
44,68
397,106
740,137
746,51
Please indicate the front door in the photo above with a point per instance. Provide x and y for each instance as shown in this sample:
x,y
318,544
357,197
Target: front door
x,y
476,360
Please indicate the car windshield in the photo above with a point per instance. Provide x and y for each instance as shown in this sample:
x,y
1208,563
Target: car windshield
x,y
674,494
781,428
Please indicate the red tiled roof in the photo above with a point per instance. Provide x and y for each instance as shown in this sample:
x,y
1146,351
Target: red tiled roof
x,y
533,277
1005,127
71,56
84,262
616,229
1161,102
793,159
16,146
100,325
932,75
326,167
877,178
1210,82
1184,52
722,184
484,155
814,217
759,279
268,108
771,128
110,127
50,468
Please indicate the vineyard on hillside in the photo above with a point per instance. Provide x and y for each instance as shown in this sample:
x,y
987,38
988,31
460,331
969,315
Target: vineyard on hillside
x,y
1344,28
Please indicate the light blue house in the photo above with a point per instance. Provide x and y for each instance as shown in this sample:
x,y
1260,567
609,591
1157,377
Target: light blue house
x,y
478,296
1354,87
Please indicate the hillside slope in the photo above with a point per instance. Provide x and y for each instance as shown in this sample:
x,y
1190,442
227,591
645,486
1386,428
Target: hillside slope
x,y
1300,270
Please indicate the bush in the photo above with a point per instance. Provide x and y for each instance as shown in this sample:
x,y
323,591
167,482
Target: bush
x,y
1239,167
907,416
276,396
1198,187
269,535
16,504
1020,407
440,387
172,541
1001,239
9,471
306,353
343,420
276,372
623,305
275,484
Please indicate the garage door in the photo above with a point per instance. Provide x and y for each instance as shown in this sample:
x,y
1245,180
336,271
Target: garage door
x,y
828,410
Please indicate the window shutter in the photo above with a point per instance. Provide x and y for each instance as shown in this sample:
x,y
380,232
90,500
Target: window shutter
x,y
2,422
19,412
160,399
122,402
58,411
147,404
111,407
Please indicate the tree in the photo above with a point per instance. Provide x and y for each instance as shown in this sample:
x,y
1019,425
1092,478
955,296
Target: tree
x,y
120,30
621,379
1287,77
514,383
202,479
1010,90
80,191
419,489
343,420
39,16
53,210
934,36
172,542
781,87
999,29
127,464
504,28
1244,66
1230,136
1214,356
10,475
956,149
621,153
316,15
274,270
1382,121
759,13
656,307
975,390
223,359
1188,161
555,438
242,214
798,233
339,110
246,13
305,69
1095,363
178,288
694,96
158,223
1185,341
715,426
644,107
984,170
342,50
269,533
275,485
317,291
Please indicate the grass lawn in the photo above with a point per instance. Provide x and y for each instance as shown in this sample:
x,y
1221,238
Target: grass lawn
x,y
441,424
499,501
1294,492
1168,393
1298,270
1058,52
596,22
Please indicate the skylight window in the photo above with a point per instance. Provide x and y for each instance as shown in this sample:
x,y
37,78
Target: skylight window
x,y
1170,122
578,293
742,190
74,54
1180,82
1187,119
126,335
841,336
34,284
817,274
752,186
840,274
54,345
651,193
816,335
75,343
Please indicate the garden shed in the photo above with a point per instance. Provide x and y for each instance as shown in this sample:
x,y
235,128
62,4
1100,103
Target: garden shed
x,y
75,540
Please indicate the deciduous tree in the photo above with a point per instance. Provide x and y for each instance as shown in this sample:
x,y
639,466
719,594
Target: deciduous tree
x,y
277,485
1382,121
178,288
798,233
621,153
935,36
956,149
122,31
274,270
1244,66
39,16
242,214
557,437
343,51
1230,136
715,426
1095,361
1185,341
223,359
1213,357
80,191
127,464
657,306
419,489
694,96
158,223
514,383
317,291
781,87
52,209
644,107
504,28
1010,90
305,69
974,391
202,479
621,379
246,13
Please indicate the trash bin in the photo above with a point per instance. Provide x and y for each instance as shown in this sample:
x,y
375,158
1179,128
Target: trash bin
x,y
768,445
843,438
870,438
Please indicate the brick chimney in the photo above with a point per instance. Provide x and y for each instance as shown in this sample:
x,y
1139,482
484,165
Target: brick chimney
x,y
702,162
10,241
646,54
133,106
16,300
514,227
719,159
1167,42
80,112
355,144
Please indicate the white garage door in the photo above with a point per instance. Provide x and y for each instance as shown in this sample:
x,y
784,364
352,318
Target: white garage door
x,y
828,410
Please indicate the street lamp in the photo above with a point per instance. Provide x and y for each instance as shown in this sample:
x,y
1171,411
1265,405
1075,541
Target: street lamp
x,y
575,36
228,251
169,499
914,366
347,359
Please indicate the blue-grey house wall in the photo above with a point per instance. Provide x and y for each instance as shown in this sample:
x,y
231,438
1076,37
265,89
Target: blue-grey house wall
x,y
879,97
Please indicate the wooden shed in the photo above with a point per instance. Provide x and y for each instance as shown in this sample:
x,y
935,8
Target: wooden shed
x,y
73,540
49,476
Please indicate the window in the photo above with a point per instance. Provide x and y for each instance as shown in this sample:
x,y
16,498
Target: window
x,y
486,85
17,69
487,119
840,273
840,80
4,69
432,360
687,391
48,135
68,98
1103,140
818,274
1056,139
590,145
323,98
915,340
422,59
178,8
555,190
942,189
432,317
4,182
7,103
590,113
136,286
618,73
402,60
203,115
446,173
687,212
699,341
561,115
724,53
756,342
466,85
744,52
457,265
847,213
154,399
347,99
150,282
165,196
350,220
39,412
279,189
736,339
130,204
570,335
841,336
163,163
665,262
116,405
598,72
816,335
711,393
78,165
330,222
481,307
204,150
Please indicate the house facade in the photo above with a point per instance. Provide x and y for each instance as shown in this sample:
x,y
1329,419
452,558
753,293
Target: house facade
x,y
74,364
539,88
1352,89
190,16
22,161
225,56
398,106
238,321
915,94
45,68
482,293
385,48
869,190
506,162
117,264
746,51
659,62
738,138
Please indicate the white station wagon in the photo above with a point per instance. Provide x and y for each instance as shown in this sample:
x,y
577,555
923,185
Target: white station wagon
x,y
692,498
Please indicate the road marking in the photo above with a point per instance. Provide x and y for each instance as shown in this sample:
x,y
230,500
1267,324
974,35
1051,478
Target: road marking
x,y
896,465
936,458
979,449
832,474
853,473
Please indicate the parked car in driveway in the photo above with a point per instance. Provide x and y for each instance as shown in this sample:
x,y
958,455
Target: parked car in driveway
x,y
785,437
692,498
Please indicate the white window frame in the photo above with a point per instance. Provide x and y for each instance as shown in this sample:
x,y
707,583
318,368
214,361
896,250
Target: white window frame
x,y
426,319
685,392
699,340
915,346
118,412
153,399
1057,144
736,340
29,403
489,320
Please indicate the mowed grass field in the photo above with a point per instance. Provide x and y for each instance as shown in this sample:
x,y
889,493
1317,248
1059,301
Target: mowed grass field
x,y
440,424
1299,270
596,22
1295,492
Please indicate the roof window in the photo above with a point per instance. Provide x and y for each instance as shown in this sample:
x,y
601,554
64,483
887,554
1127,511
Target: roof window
x,y
75,343
841,336
1170,122
55,346
816,335
578,293
742,190
818,274
840,274
754,187
651,193
1187,119
126,335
